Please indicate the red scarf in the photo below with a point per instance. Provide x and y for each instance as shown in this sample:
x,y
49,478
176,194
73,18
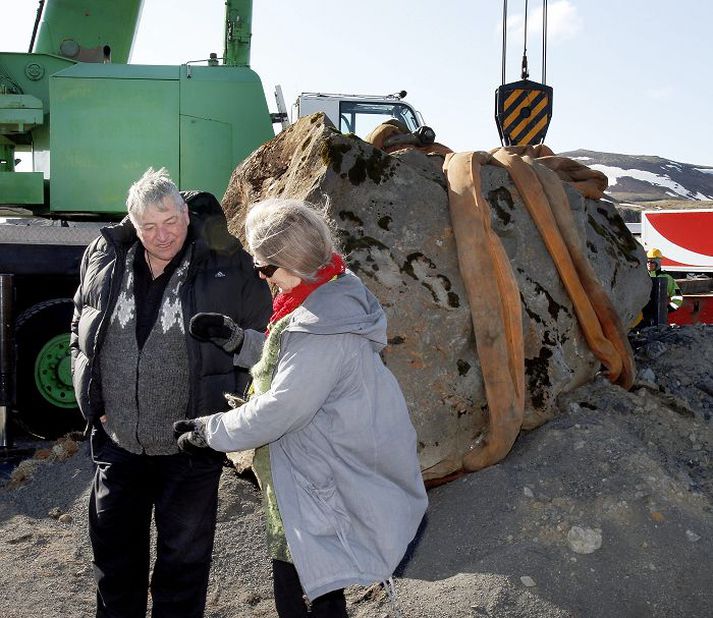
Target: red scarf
x,y
286,302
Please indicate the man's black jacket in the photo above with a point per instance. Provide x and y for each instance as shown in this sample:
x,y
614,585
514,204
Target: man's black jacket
x,y
220,279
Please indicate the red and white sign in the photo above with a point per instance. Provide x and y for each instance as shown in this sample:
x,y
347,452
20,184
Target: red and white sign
x,y
684,237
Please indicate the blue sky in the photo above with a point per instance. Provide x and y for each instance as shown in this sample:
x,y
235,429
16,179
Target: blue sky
x,y
629,76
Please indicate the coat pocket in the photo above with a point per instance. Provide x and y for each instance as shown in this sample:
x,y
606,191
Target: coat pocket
x,y
321,508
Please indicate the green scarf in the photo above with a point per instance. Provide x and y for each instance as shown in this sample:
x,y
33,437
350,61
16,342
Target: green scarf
x,y
262,373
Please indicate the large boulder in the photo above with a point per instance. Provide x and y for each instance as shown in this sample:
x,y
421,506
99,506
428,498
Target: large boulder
x,y
394,225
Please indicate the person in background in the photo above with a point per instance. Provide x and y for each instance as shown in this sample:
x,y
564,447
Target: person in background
x,y
340,473
673,292
136,370
654,313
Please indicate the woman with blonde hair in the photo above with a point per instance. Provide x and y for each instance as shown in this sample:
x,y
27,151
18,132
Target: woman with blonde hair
x,y
340,474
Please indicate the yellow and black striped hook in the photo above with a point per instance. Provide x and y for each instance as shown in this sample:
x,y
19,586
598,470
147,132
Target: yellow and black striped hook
x,y
523,109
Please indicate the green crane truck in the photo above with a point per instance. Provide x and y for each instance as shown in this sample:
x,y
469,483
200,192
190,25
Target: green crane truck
x,y
91,124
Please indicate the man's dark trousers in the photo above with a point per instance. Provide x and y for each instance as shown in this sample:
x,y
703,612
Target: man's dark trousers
x,y
183,491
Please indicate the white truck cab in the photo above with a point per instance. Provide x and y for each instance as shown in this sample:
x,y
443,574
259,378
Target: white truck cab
x,y
355,113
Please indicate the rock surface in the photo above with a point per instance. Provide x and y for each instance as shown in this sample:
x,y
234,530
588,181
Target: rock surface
x,y
393,220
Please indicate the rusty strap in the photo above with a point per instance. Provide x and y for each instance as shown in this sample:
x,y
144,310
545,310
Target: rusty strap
x,y
544,196
496,316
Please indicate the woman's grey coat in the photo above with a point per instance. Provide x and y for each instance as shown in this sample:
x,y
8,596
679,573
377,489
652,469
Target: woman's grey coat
x,y
342,446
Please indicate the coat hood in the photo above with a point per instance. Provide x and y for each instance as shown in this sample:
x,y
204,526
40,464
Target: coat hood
x,y
343,305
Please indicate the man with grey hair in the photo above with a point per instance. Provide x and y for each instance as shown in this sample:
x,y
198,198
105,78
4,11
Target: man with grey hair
x,y
137,370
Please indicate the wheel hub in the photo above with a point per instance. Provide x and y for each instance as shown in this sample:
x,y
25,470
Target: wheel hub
x,y
53,374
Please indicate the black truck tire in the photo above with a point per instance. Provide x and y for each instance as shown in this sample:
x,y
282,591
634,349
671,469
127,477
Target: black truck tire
x,y
45,404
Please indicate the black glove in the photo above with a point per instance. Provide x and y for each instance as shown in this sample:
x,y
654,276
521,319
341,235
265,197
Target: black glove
x,y
217,328
190,436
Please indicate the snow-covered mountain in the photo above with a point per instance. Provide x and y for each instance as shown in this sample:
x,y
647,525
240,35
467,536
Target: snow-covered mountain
x,y
648,179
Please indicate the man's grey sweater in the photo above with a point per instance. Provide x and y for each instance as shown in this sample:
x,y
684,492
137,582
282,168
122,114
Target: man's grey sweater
x,y
146,389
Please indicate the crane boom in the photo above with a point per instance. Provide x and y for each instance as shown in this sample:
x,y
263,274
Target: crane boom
x,y
88,30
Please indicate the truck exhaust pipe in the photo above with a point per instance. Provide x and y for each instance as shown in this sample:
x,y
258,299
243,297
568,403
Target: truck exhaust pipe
x,y
6,355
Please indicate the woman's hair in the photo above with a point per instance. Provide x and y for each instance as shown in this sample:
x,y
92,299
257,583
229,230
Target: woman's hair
x,y
291,234
150,190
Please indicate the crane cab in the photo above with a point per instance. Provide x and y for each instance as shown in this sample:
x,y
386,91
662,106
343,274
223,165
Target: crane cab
x,y
359,114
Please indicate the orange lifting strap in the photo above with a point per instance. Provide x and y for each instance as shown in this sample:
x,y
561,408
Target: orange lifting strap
x,y
497,319
497,316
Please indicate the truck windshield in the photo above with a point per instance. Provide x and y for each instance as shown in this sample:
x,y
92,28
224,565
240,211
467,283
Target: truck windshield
x,y
361,118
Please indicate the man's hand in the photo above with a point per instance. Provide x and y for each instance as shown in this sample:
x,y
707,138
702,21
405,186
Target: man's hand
x,y
190,436
217,328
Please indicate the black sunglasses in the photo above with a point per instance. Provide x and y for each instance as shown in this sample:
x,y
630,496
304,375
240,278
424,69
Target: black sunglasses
x,y
266,269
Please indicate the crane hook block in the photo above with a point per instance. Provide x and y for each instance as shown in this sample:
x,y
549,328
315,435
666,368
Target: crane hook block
x,y
523,111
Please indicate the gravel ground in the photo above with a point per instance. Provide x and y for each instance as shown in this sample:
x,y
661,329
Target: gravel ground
x,y
605,511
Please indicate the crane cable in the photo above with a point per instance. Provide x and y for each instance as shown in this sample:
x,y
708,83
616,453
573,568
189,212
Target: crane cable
x,y
505,37
525,73
36,26
544,41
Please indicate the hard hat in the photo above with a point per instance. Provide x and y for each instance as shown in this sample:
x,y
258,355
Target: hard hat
x,y
654,254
